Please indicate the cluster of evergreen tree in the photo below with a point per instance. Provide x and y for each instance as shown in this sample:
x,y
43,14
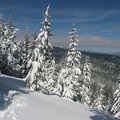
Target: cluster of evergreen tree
x,y
8,47
33,61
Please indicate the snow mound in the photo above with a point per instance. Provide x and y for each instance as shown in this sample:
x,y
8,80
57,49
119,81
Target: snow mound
x,y
27,105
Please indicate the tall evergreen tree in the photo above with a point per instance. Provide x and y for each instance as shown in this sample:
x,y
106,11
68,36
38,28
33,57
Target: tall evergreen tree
x,y
61,76
115,110
11,48
2,47
34,37
3,35
104,97
86,92
5,46
94,93
101,104
11,30
2,24
25,53
41,75
47,66
70,74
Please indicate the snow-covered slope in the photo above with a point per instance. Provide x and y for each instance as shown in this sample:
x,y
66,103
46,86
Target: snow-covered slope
x,y
23,104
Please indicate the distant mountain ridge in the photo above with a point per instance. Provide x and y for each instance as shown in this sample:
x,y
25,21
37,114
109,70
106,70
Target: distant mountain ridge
x,y
59,53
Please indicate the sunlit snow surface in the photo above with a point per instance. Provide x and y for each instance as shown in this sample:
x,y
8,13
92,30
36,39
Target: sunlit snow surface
x,y
23,104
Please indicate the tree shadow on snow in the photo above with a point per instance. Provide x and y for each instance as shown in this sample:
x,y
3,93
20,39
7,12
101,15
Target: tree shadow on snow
x,y
7,84
10,87
100,115
47,92
6,101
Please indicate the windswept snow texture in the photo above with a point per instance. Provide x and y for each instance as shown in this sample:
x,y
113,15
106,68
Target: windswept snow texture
x,y
27,105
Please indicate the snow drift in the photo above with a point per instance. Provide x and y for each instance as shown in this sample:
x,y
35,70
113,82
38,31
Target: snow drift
x,y
17,102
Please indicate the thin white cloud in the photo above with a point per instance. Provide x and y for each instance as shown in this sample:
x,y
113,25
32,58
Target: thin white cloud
x,y
69,15
93,41
9,8
99,32
59,41
84,15
28,19
81,20
38,11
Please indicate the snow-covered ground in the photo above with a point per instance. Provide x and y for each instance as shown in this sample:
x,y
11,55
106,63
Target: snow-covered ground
x,y
23,104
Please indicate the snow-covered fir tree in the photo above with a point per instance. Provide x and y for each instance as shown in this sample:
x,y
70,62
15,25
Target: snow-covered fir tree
x,y
94,93
85,92
34,37
70,74
11,30
11,36
41,74
108,93
1,27
48,63
2,30
8,46
3,34
101,99
25,53
115,109
104,97
61,76
33,64
11,47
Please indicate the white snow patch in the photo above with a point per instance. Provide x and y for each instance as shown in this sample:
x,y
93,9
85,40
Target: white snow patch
x,y
28,105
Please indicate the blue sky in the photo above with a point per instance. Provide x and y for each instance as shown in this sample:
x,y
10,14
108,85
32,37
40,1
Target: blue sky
x,y
97,21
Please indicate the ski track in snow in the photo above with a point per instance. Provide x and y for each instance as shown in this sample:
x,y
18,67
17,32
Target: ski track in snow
x,y
9,113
